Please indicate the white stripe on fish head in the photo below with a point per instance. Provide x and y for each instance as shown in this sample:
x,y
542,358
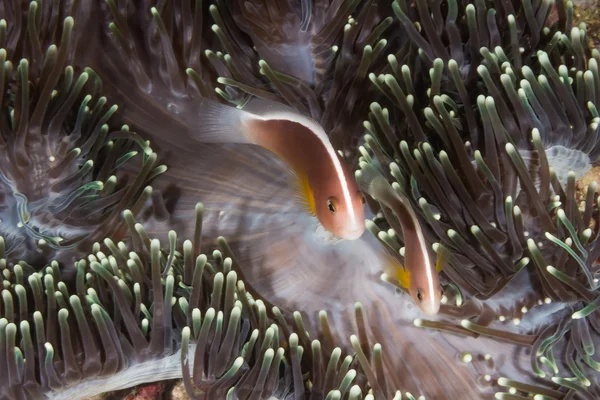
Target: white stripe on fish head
x,y
339,170
429,268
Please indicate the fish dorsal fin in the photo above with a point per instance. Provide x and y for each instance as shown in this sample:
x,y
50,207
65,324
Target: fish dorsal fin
x,y
303,191
393,269
271,110
443,257
262,107
209,121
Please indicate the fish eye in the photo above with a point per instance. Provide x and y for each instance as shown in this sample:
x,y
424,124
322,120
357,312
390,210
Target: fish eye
x,y
331,205
362,197
419,295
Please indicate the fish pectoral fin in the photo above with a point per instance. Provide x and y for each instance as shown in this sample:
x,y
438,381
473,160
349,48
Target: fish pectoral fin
x,y
393,269
304,193
403,276
443,257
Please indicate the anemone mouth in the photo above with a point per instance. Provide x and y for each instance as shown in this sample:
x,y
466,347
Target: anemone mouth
x,y
67,173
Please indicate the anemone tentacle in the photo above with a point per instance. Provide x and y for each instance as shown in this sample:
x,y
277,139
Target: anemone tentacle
x,y
478,116
63,177
317,71
489,158
134,308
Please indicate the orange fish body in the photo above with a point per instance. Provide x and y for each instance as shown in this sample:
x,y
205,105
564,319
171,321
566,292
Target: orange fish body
x,y
419,275
330,192
328,189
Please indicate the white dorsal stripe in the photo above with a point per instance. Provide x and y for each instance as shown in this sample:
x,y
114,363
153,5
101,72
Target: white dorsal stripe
x,y
429,270
314,127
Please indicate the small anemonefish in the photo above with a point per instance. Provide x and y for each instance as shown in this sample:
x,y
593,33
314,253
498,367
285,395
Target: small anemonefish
x,y
327,188
425,295
419,275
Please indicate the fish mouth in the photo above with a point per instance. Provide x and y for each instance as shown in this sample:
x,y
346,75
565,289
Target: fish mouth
x,y
353,234
337,235
430,310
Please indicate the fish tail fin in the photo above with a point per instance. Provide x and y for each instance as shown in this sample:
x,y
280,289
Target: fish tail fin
x,y
369,178
443,257
213,122
394,270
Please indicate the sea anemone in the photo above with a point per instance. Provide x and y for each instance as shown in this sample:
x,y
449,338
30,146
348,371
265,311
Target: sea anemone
x,y
272,238
507,121
63,178
136,313
473,156
246,192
